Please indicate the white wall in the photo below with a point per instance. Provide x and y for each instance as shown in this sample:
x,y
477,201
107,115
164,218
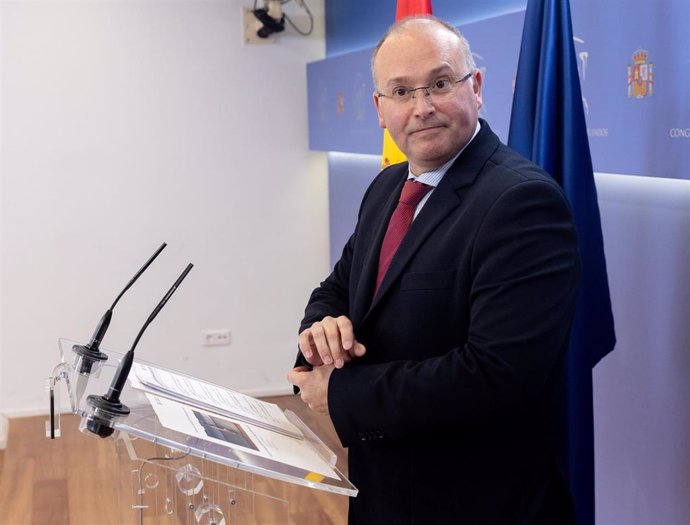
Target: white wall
x,y
3,419
129,123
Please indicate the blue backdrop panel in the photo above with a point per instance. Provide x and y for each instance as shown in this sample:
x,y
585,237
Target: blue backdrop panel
x,y
356,24
634,65
635,126
342,116
495,44
350,176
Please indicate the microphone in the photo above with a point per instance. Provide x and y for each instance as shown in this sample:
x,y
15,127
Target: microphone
x,y
107,408
90,353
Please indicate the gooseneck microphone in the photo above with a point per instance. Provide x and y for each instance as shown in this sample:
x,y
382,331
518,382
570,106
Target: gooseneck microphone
x,y
90,353
106,408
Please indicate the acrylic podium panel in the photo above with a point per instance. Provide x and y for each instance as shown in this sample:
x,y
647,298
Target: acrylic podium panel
x,y
167,476
161,485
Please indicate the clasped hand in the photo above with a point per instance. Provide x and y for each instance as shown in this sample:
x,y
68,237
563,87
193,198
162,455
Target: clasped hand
x,y
330,341
327,344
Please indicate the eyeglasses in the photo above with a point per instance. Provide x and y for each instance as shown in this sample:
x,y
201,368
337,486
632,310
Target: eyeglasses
x,y
440,87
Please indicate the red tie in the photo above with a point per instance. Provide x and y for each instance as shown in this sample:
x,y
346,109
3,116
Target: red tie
x,y
412,193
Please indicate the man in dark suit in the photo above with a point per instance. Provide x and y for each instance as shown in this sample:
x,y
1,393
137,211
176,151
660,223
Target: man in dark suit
x,y
441,366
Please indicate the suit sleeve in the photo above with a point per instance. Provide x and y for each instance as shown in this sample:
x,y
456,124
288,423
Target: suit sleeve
x,y
524,276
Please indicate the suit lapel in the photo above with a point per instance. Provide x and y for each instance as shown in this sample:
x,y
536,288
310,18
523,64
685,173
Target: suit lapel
x,y
440,204
367,278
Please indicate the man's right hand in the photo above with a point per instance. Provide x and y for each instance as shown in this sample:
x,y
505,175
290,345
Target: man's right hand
x,y
330,341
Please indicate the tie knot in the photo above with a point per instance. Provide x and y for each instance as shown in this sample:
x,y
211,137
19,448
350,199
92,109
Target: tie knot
x,y
413,192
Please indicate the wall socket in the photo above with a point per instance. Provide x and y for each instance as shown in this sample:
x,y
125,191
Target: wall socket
x,y
221,337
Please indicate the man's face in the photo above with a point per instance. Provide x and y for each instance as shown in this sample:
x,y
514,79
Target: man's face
x,y
429,130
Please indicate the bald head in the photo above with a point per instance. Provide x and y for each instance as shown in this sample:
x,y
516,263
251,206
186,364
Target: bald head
x,y
424,24
431,62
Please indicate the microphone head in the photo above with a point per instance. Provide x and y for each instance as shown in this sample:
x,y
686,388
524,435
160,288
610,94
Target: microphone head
x,y
102,416
99,427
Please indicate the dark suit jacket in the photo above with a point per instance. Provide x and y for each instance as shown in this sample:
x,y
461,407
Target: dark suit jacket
x,y
452,416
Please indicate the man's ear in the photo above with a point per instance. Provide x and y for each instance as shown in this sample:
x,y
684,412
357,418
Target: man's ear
x,y
377,103
477,87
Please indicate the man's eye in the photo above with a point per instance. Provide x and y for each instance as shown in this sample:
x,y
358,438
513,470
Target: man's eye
x,y
400,92
442,83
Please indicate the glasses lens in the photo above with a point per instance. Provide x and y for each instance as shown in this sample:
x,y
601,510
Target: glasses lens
x,y
441,86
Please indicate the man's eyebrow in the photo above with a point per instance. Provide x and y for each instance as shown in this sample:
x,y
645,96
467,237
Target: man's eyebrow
x,y
434,73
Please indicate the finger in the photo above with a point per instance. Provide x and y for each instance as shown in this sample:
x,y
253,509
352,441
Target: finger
x,y
358,349
347,336
320,341
304,343
308,349
331,328
299,377
294,376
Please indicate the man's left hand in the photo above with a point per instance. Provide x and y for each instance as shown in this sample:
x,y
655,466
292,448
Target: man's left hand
x,y
313,386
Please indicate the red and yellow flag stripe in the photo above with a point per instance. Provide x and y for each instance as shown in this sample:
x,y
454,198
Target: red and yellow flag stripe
x,y
405,8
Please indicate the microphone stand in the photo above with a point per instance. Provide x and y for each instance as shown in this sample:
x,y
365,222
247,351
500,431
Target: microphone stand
x,y
90,354
108,408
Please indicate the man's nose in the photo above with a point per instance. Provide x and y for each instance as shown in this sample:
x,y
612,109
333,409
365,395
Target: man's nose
x,y
422,100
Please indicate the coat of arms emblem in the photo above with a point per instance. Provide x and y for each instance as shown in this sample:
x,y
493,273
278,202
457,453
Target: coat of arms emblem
x,y
640,75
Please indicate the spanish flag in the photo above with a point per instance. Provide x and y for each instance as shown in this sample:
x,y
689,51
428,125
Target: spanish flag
x,y
405,8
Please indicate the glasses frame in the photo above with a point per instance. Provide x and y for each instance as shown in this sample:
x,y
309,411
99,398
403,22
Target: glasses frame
x,y
426,89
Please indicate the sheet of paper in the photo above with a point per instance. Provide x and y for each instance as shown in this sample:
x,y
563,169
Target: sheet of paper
x,y
210,396
245,439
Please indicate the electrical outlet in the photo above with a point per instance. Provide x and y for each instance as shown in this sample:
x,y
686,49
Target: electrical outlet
x,y
219,337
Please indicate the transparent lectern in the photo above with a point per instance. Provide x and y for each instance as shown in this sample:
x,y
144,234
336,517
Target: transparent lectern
x,y
181,463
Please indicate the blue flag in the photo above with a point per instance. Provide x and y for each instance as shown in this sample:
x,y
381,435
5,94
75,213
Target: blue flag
x,y
547,125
